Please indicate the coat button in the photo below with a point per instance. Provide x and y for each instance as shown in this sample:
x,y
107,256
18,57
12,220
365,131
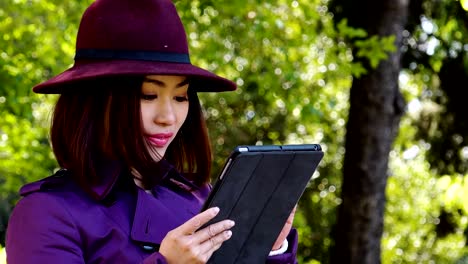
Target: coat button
x,y
148,248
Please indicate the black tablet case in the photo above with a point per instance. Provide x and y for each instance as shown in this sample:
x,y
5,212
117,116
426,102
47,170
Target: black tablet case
x,y
258,190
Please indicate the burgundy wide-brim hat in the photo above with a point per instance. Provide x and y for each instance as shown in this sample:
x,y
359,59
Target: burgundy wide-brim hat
x,y
132,37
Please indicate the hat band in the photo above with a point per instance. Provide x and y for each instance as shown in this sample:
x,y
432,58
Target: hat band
x,y
132,55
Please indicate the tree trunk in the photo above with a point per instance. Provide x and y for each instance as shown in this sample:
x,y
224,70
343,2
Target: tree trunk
x,y
375,110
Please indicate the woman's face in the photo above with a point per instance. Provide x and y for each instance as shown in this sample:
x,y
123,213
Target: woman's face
x,y
164,108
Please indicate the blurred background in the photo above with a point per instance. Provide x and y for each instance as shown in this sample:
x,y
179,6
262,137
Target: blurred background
x,y
381,86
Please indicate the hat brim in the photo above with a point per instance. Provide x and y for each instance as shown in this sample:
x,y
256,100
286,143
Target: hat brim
x,y
206,81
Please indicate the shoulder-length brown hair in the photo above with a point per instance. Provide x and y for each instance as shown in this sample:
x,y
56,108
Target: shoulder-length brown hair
x,y
100,121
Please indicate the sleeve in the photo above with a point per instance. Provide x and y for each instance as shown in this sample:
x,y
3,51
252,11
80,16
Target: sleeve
x,y
155,258
41,230
290,255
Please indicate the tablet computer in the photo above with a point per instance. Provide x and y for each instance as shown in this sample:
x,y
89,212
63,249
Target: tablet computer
x,y
258,188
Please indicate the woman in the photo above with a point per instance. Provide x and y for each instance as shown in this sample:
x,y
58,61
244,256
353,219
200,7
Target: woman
x,y
129,133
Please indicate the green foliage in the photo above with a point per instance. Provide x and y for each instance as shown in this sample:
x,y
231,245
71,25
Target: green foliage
x,y
24,156
35,46
350,32
425,217
375,49
37,42
441,65
2,255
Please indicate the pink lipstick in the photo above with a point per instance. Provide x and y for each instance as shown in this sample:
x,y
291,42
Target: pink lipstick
x,y
160,139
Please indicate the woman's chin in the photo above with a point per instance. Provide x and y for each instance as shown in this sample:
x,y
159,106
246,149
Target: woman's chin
x,y
157,153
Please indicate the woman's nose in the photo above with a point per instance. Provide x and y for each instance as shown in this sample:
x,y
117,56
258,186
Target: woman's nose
x,y
165,114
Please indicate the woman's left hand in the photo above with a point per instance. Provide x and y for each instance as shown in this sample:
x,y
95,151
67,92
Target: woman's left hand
x,y
285,232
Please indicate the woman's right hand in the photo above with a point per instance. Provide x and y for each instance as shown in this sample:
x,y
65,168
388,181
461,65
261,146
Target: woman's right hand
x,y
184,245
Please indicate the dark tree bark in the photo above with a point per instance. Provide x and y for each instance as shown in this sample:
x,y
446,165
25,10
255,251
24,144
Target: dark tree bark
x,y
374,115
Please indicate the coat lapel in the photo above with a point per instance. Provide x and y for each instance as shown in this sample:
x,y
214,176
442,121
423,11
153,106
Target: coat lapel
x,y
152,219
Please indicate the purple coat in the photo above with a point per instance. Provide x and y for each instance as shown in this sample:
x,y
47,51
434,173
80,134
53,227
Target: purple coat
x,y
57,222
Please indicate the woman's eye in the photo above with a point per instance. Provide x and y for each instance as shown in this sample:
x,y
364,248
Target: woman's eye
x,y
148,97
181,98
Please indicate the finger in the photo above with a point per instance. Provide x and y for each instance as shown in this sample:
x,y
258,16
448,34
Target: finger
x,y
291,216
197,221
294,209
286,229
210,233
212,230
214,243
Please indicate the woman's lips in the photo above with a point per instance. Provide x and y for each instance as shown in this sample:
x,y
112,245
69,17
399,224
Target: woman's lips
x,y
160,139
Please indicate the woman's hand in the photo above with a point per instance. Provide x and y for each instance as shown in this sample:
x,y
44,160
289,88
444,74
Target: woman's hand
x,y
285,232
184,245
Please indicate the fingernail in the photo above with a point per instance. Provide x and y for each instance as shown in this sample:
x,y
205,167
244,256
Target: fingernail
x,y
215,210
232,223
228,233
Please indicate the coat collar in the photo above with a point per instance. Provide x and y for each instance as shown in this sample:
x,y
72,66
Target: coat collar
x,y
112,170
109,173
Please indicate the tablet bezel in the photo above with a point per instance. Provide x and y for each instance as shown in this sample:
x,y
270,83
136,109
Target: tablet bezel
x,y
255,149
